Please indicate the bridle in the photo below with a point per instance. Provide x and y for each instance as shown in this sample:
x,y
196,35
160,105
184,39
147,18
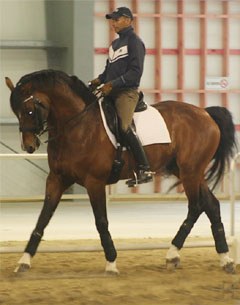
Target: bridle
x,y
37,116
40,126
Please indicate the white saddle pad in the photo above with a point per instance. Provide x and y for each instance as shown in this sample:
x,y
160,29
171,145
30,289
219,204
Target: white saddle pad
x,y
150,127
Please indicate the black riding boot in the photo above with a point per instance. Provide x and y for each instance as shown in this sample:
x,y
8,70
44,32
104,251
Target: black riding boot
x,y
144,174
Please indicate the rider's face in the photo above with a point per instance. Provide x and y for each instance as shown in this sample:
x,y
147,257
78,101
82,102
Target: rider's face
x,y
120,23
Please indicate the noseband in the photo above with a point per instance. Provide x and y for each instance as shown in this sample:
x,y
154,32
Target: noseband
x,y
36,116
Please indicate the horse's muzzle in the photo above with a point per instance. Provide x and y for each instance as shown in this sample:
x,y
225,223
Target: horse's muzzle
x,y
29,143
30,149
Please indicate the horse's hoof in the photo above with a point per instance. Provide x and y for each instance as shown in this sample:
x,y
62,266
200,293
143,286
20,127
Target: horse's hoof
x,y
111,269
230,268
173,263
112,273
22,268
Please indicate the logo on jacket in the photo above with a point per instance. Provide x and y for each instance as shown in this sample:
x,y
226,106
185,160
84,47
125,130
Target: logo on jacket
x,y
117,54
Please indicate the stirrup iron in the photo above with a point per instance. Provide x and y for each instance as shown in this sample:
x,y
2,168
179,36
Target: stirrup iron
x,y
142,177
134,181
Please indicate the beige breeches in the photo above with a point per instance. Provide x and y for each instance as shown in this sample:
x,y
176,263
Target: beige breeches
x,y
125,104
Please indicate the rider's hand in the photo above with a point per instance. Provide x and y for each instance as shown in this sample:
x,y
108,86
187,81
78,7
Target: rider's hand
x,y
106,89
93,84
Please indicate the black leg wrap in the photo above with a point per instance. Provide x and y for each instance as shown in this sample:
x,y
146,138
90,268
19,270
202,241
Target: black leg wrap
x,y
108,246
106,240
219,238
33,243
182,234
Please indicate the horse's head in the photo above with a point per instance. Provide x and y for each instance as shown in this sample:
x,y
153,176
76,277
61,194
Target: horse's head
x,y
31,109
37,92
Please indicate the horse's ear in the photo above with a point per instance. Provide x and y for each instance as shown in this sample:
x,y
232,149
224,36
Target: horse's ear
x,y
9,83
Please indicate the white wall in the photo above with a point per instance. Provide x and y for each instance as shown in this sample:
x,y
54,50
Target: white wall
x,y
20,20
25,20
169,40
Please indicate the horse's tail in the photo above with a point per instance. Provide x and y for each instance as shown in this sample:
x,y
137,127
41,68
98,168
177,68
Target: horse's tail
x,y
227,144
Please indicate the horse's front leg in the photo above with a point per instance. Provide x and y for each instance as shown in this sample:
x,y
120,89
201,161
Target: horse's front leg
x,y
97,195
55,186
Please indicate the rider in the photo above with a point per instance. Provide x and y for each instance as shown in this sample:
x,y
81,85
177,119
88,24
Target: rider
x,y
121,78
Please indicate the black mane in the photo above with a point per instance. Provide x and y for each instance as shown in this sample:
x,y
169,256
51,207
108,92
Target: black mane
x,y
40,80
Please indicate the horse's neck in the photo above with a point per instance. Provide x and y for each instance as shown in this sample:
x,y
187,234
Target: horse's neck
x,y
83,125
65,108
71,112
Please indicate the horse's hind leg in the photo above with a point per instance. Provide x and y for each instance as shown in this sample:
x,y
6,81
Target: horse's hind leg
x,y
194,211
55,186
212,209
97,195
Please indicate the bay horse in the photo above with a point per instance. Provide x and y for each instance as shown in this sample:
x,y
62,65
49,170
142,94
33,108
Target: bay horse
x,y
79,151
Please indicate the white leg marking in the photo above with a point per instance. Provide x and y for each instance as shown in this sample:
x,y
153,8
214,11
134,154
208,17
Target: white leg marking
x,y
111,267
172,253
225,259
25,259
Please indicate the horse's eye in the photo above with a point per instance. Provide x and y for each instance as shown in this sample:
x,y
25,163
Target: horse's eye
x,y
30,112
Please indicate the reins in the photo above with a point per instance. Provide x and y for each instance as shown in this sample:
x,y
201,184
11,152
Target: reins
x,y
98,95
79,115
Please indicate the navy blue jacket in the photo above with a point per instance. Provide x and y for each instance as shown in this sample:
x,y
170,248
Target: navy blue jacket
x,y
124,66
